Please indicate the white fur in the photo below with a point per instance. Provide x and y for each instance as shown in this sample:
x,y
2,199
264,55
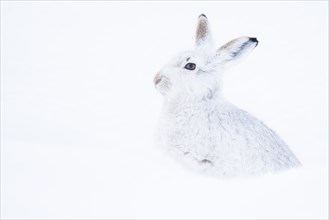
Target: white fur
x,y
204,130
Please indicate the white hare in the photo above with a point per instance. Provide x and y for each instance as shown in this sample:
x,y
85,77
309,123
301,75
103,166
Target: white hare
x,y
204,130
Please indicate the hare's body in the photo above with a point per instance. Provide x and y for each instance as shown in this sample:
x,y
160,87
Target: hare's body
x,y
201,127
216,137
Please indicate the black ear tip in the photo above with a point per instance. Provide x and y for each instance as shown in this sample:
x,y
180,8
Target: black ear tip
x,y
253,39
202,15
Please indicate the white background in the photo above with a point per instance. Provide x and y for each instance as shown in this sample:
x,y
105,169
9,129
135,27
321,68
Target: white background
x,y
78,108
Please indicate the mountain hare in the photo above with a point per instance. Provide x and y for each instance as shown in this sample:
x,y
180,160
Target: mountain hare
x,y
204,130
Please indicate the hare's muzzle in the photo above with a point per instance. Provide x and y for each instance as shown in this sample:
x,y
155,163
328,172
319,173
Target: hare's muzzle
x,y
157,78
162,83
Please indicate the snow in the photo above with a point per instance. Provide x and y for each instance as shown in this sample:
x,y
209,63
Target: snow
x,y
79,109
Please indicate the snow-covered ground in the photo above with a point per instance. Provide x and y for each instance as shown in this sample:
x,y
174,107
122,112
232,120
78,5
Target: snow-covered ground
x,y
78,108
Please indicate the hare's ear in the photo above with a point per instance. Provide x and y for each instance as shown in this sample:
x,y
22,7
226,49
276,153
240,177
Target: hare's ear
x,y
204,40
235,50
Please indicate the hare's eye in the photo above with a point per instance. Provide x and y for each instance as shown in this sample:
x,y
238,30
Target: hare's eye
x,y
190,66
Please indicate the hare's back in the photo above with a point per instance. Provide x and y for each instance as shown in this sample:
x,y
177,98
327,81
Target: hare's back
x,y
256,142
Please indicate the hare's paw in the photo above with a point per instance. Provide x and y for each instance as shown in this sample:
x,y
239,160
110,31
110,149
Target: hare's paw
x,y
195,163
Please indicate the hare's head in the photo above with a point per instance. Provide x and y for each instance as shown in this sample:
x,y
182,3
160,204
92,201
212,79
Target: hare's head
x,y
194,73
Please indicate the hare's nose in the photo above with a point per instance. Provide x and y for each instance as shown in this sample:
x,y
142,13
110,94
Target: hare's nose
x,y
157,78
